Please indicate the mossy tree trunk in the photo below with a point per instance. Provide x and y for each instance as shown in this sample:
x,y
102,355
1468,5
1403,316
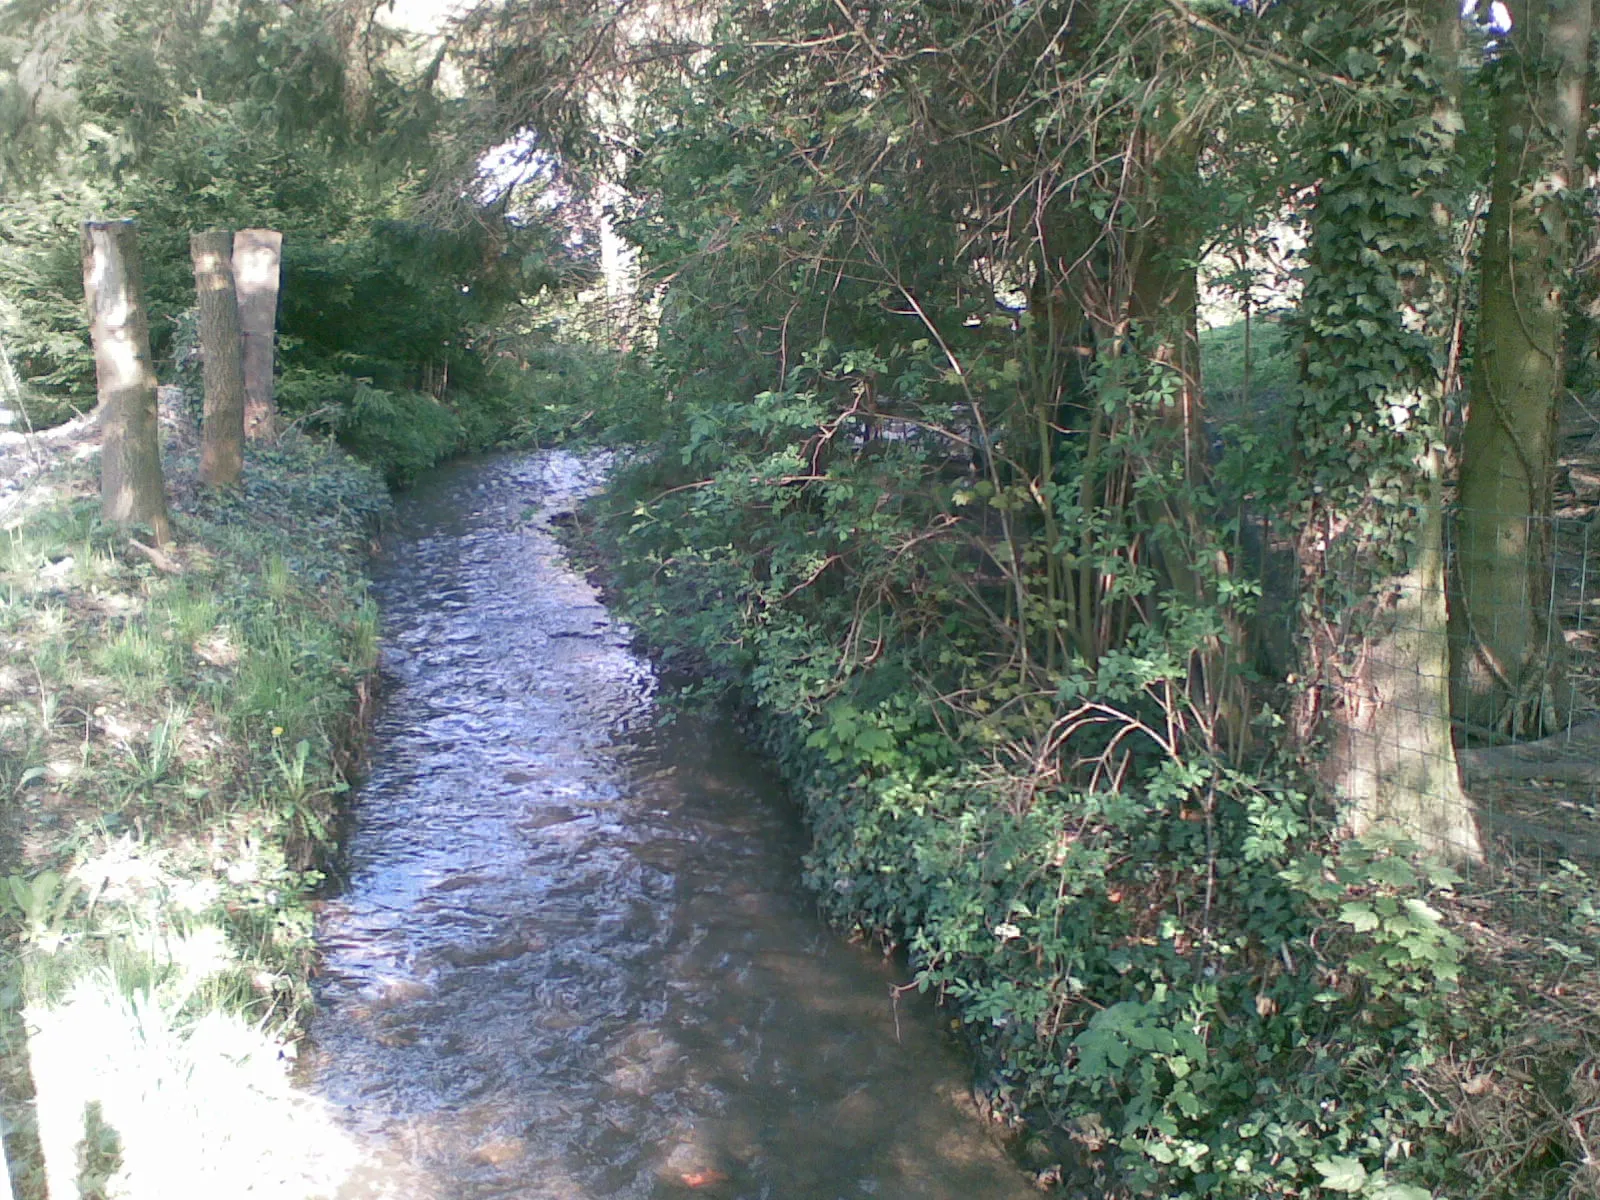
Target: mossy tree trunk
x,y
257,255
221,349
1506,654
132,490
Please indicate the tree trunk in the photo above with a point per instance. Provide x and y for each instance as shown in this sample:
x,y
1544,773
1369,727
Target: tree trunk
x,y
1163,307
1371,546
1506,669
1394,754
132,491
1165,302
257,254
222,427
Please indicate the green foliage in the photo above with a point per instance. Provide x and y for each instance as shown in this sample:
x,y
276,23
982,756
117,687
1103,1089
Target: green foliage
x,y
1370,316
1134,957
42,322
914,488
1273,374
42,904
400,433
248,114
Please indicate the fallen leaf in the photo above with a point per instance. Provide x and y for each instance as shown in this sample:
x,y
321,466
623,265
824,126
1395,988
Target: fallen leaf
x,y
700,1179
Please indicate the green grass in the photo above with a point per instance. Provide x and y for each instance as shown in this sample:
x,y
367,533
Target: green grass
x,y
169,749
1234,394
191,611
137,660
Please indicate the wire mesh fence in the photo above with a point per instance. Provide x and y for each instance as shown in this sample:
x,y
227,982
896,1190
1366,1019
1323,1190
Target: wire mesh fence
x,y
1462,704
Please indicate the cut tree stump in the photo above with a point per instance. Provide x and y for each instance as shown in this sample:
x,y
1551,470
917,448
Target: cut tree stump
x,y
222,426
257,255
132,490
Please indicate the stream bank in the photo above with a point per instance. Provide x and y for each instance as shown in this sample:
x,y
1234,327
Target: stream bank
x,y
175,731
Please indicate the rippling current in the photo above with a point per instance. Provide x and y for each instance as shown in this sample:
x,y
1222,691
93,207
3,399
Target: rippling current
x,y
573,959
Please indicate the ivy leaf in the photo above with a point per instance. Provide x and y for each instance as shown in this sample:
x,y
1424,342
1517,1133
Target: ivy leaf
x,y
1402,1191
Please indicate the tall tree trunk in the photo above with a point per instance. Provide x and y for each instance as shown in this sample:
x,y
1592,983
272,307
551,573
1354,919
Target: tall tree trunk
x,y
132,491
1371,544
1163,307
257,255
222,428
1506,653
1165,302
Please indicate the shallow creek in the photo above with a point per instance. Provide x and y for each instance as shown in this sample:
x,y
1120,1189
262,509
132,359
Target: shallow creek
x,y
573,959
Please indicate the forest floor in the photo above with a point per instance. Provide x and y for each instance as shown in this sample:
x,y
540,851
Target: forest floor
x,y
176,725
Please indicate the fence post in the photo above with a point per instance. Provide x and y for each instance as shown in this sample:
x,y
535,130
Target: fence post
x,y
132,490
257,256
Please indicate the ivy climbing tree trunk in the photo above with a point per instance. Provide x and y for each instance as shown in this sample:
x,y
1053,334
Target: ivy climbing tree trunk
x,y
132,491
1506,654
1374,617
257,256
222,428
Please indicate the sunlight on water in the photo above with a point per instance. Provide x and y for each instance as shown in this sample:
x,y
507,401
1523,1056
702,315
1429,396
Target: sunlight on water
x,y
574,959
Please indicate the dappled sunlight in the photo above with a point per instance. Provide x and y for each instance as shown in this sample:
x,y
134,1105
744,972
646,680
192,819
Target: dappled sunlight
x,y
127,872
123,1024
197,1106
158,928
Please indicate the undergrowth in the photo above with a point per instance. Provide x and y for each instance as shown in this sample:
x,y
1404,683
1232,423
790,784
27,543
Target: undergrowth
x,y
1178,977
175,731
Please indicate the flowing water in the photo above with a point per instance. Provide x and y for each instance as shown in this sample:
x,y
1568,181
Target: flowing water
x,y
573,959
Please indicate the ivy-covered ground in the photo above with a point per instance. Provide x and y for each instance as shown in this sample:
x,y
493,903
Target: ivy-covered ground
x,y
176,727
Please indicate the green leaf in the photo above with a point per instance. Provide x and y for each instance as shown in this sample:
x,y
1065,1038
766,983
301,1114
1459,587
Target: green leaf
x,y
1358,915
1402,1191
1341,1174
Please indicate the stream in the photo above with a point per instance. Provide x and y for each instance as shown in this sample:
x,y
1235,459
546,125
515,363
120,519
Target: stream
x,y
574,959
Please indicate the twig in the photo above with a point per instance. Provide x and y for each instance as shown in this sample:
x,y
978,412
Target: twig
x,y
1196,21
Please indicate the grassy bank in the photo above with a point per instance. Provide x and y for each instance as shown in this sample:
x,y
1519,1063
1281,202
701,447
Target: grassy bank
x,y
175,731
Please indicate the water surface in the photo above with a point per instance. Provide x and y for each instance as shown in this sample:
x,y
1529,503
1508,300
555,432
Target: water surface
x,y
574,959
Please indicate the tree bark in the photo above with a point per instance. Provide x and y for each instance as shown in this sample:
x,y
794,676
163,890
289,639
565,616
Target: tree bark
x,y
1394,754
1375,619
132,491
1506,653
257,255
221,350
